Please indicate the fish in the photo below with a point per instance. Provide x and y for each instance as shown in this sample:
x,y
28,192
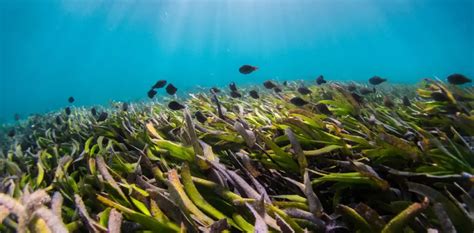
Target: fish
x,y
326,96
159,84
357,97
320,80
269,84
458,79
200,116
71,99
351,87
11,133
462,98
388,102
304,90
285,83
214,90
68,111
171,89
439,96
235,94
451,109
376,80
17,117
277,90
247,69
94,111
174,105
409,136
102,117
151,93
298,101
365,90
323,108
406,101
232,86
59,120
254,94
372,120
125,106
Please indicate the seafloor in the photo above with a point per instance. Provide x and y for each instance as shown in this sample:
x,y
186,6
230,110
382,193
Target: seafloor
x,y
399,159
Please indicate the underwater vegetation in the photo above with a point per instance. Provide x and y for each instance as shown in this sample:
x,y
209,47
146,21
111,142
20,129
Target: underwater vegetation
x,y
291,157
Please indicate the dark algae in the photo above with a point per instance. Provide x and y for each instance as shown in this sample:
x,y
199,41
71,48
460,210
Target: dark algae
x,y
303,157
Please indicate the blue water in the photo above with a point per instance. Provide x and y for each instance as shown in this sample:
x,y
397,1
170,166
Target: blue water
x,y
99,51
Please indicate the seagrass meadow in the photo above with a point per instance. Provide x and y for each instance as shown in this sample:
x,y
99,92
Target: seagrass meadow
x,y
397,160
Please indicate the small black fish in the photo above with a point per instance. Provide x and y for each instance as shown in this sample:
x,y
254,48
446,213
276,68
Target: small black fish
x,y
351,87
365,90
17,117
11,133
285,83
326,96
323,108
269,84
458,79
376,80
173,105
247,69
159,84
68,111
71,100
451,109
94,111
125,106
215,90
232,86
409,136
439,96
304,90
277,90
406,101
171,89
151,93
200,116
388,102
320,80
463,98
254,94
102,117
235,94
357,97
59,120
298,101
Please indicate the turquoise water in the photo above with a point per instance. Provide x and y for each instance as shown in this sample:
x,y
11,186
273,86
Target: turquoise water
x,y
98,51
